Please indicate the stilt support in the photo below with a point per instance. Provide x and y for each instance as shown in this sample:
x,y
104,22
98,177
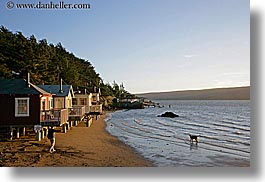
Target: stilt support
x,y
24,131
67,126
17,136
11,133
42,134
38,136
64,128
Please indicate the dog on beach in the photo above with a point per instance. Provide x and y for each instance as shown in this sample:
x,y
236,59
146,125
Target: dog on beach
x,y
194,137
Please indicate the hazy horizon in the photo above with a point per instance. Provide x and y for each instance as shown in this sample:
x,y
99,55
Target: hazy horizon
x,y
200,89
150,46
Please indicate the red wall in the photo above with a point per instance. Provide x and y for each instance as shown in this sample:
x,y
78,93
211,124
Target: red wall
x,y
7,111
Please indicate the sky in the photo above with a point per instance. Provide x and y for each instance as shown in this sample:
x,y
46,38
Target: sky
x,y
149,45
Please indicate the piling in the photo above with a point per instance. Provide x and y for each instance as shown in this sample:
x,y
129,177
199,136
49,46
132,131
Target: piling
x,y
67,126
24,131
38,136
11,133
42,134
17,135
64,128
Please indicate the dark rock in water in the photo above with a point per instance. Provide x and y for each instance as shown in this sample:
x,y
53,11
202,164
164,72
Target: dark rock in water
x,y
169,115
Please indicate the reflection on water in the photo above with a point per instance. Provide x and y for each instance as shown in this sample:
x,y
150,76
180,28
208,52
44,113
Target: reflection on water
x,y
193,146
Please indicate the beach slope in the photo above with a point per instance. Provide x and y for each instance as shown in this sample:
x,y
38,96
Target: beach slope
x,y
79,147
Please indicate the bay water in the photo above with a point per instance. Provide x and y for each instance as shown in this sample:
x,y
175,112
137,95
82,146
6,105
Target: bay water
x,y
223,127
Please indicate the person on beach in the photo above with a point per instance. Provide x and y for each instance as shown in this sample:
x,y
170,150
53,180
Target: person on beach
x,y
51,137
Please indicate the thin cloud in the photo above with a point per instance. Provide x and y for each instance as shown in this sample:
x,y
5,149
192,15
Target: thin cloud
x,y
189,56
234,74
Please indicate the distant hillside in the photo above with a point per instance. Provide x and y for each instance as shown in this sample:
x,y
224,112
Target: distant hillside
x,y
235,93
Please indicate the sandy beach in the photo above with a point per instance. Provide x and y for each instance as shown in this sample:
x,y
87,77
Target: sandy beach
x,y
79,147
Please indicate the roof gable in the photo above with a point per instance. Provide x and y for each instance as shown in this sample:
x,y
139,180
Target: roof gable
x,y
19,86
55,89
93,90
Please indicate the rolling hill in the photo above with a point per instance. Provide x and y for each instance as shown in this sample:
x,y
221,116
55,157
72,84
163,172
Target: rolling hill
x,y
234,93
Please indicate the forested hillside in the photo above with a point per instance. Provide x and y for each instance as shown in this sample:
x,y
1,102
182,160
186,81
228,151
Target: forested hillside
x,y
46,63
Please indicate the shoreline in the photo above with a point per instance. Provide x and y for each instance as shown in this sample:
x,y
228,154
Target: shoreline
x,y
149,162
166,141
79,147
91,146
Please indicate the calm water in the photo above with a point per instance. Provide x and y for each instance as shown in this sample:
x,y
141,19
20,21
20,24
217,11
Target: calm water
x,y
224,127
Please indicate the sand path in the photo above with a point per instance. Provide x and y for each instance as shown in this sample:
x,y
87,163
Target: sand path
x,y
80,146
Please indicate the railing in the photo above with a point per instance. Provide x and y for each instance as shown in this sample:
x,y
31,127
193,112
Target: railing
x,y
96,108
54,117
76,111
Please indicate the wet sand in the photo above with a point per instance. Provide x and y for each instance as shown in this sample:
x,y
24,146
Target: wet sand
x,y
79,147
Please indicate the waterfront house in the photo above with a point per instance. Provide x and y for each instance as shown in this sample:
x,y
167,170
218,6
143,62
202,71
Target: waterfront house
x,y
83,98
96,106
130,102
90,98
63,96
22,104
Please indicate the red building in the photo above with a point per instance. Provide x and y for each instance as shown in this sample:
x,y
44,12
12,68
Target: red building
x,y
22,104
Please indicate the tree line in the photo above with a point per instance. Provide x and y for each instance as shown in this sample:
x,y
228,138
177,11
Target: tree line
x,y
47,63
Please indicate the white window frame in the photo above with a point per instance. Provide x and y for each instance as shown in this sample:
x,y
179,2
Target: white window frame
x,y
50,103
43,99
16,107
58,103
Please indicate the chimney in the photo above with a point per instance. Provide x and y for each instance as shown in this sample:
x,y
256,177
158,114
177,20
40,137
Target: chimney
x,y
95,89
85,91
28,80
61,86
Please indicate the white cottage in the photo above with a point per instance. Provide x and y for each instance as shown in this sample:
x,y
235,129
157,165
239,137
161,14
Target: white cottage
x,y
83,98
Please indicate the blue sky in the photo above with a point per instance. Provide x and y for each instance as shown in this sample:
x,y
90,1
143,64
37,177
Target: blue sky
x,y
150,45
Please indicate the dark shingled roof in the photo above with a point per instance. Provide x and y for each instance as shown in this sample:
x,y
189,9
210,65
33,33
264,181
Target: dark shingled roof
x,y
19,86
55,89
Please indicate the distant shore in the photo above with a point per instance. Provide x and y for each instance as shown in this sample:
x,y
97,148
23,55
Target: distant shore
x,y
233,93
79,147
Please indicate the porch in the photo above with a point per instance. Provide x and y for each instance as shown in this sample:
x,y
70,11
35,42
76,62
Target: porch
x,y
95,109
76,113
54,117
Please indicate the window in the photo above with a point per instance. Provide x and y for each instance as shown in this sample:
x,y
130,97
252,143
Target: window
x,y
21,107
50,103
82,101
74,101
43,105
94,98
59,103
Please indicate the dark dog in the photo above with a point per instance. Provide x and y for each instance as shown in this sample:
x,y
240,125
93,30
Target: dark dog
x,y
194,137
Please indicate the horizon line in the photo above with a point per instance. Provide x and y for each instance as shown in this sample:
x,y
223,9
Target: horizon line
x,y
192,89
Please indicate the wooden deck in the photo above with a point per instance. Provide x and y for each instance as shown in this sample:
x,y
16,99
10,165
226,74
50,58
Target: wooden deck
x,y
76,113
55,117
96,109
